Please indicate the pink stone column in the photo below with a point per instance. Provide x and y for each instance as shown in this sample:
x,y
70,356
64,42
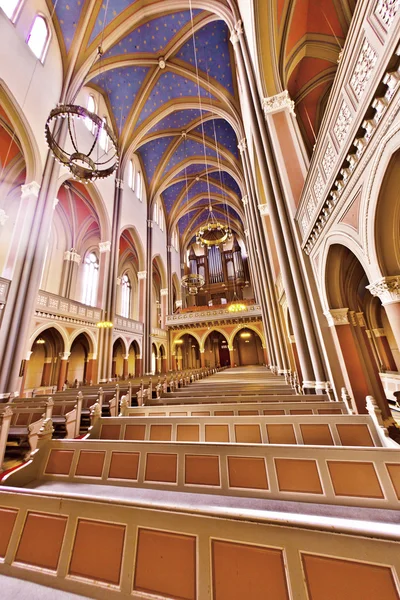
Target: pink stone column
x,y
164,306
387,289
142,275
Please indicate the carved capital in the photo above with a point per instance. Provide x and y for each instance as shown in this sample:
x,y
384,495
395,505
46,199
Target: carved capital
x,y
104,247
65,355
245,200
360,319
30,189
55,202
72,256
277,103
246,232
386,289
164,292
236,32
178,303
150,223
380,332
263,208
3,217
142,275
242,145
337,316
119,184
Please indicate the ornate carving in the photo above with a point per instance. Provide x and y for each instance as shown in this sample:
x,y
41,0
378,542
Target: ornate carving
x,y
343,123
104,247
329,159
318,186
263,208
242,145
380,332
363,69
278,102
304,222
360,319
337,316
72,256
387,289
142,274
164,292
30,189
386,11
245,200
310,207
3,217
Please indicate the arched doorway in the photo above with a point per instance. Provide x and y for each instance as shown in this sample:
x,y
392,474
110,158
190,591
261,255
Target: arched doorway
x,y
118,359
247,348
134,353
154,356
78,359
163,359
187,352
216,350
44,364
349,316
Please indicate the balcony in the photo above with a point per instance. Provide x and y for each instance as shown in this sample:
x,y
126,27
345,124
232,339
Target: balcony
x,y
53,306
128,325
206,315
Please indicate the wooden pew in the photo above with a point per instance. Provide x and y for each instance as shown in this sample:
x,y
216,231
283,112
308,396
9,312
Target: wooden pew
x,y
26,423
5,422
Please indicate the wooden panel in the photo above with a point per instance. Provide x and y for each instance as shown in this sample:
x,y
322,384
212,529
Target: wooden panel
x,y
202,470
355,435
179,414
41,540
244,413
273,412
354,479
110,432
135,432
187,433
281,434
158,414
124,465
394,473
248,434
90,463
330,411
242,571
316,435
336,579
161,467
301,411
223,413
298,476
217,433
59,462
166,564
160,433
7,521
97,551
201,413
247,473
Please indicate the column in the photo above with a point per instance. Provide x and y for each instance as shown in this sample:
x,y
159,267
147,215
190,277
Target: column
x,y
24,370
46,373
170,308
349,356
231,356
173,362
295,354
72,261
265,354
91,369
383,349
164,307
164,365
125,368
309,353
142,276
104,266
148,300
62,376
138,366
387,289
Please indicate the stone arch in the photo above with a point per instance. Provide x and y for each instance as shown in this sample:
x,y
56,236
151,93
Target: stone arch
x,y
46,350
246,326
92,340
56,326
209,332
193,333
138,244
160,264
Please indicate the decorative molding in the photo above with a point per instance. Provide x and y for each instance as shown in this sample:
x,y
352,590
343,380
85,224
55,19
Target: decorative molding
x,y
277,103
246,232
337,316
55,202
162,62
386,11
164,292
30,189
242,145
178,303
72,256
363,69
142,275
170,248
343,122
150,223
329,159
319,186
263,208
380,332
386,289
104,247
65,355
3,217
360,319
245,200
119,183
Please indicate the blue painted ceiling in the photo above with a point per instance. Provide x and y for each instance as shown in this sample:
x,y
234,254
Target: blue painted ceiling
x,y
131,62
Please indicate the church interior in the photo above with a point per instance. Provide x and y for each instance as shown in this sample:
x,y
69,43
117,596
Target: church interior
x,y
200,299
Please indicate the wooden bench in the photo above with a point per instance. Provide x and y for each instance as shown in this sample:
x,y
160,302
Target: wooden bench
x,y
26,422
5,422
65,412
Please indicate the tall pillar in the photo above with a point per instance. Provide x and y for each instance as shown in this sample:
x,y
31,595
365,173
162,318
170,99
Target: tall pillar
x,y
164,307
24,369
104,267
385,354
170,307
46,373
309,352
142,276
138,366
91,369
72,261
387,289
125,368
62,375
231,356
147,339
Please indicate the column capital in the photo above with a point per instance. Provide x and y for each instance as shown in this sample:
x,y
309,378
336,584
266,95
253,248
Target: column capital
x,y
245,200
337,316
292,339
387,289
277,103
55,202
30,189
92,356
72,256
142,275
380,332
3,217
263,208
242,145
178,303
65,355
104,247
119,183
169,248
164,292
150,223
360,319
246,232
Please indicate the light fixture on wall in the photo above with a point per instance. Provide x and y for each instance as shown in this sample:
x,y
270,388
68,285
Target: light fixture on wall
x,y
40,341
179,342
104,325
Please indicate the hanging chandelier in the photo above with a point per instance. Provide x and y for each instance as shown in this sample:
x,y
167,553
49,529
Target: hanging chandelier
x,y
93,163
193,282
236,305
213,233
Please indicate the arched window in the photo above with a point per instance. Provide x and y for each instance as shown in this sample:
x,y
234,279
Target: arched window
x,y
103,137
126,293
10,7
161,217
131,174
139,185
91,106
90,279
39,37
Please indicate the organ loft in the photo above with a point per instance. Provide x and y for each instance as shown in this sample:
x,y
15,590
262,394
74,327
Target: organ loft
x,y
200,299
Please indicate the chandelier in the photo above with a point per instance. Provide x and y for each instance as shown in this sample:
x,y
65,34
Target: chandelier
x,y
236,305
104,325
213,233
85,166
193,282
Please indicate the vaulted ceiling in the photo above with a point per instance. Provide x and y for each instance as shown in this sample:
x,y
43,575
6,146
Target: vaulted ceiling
x,y
168,79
